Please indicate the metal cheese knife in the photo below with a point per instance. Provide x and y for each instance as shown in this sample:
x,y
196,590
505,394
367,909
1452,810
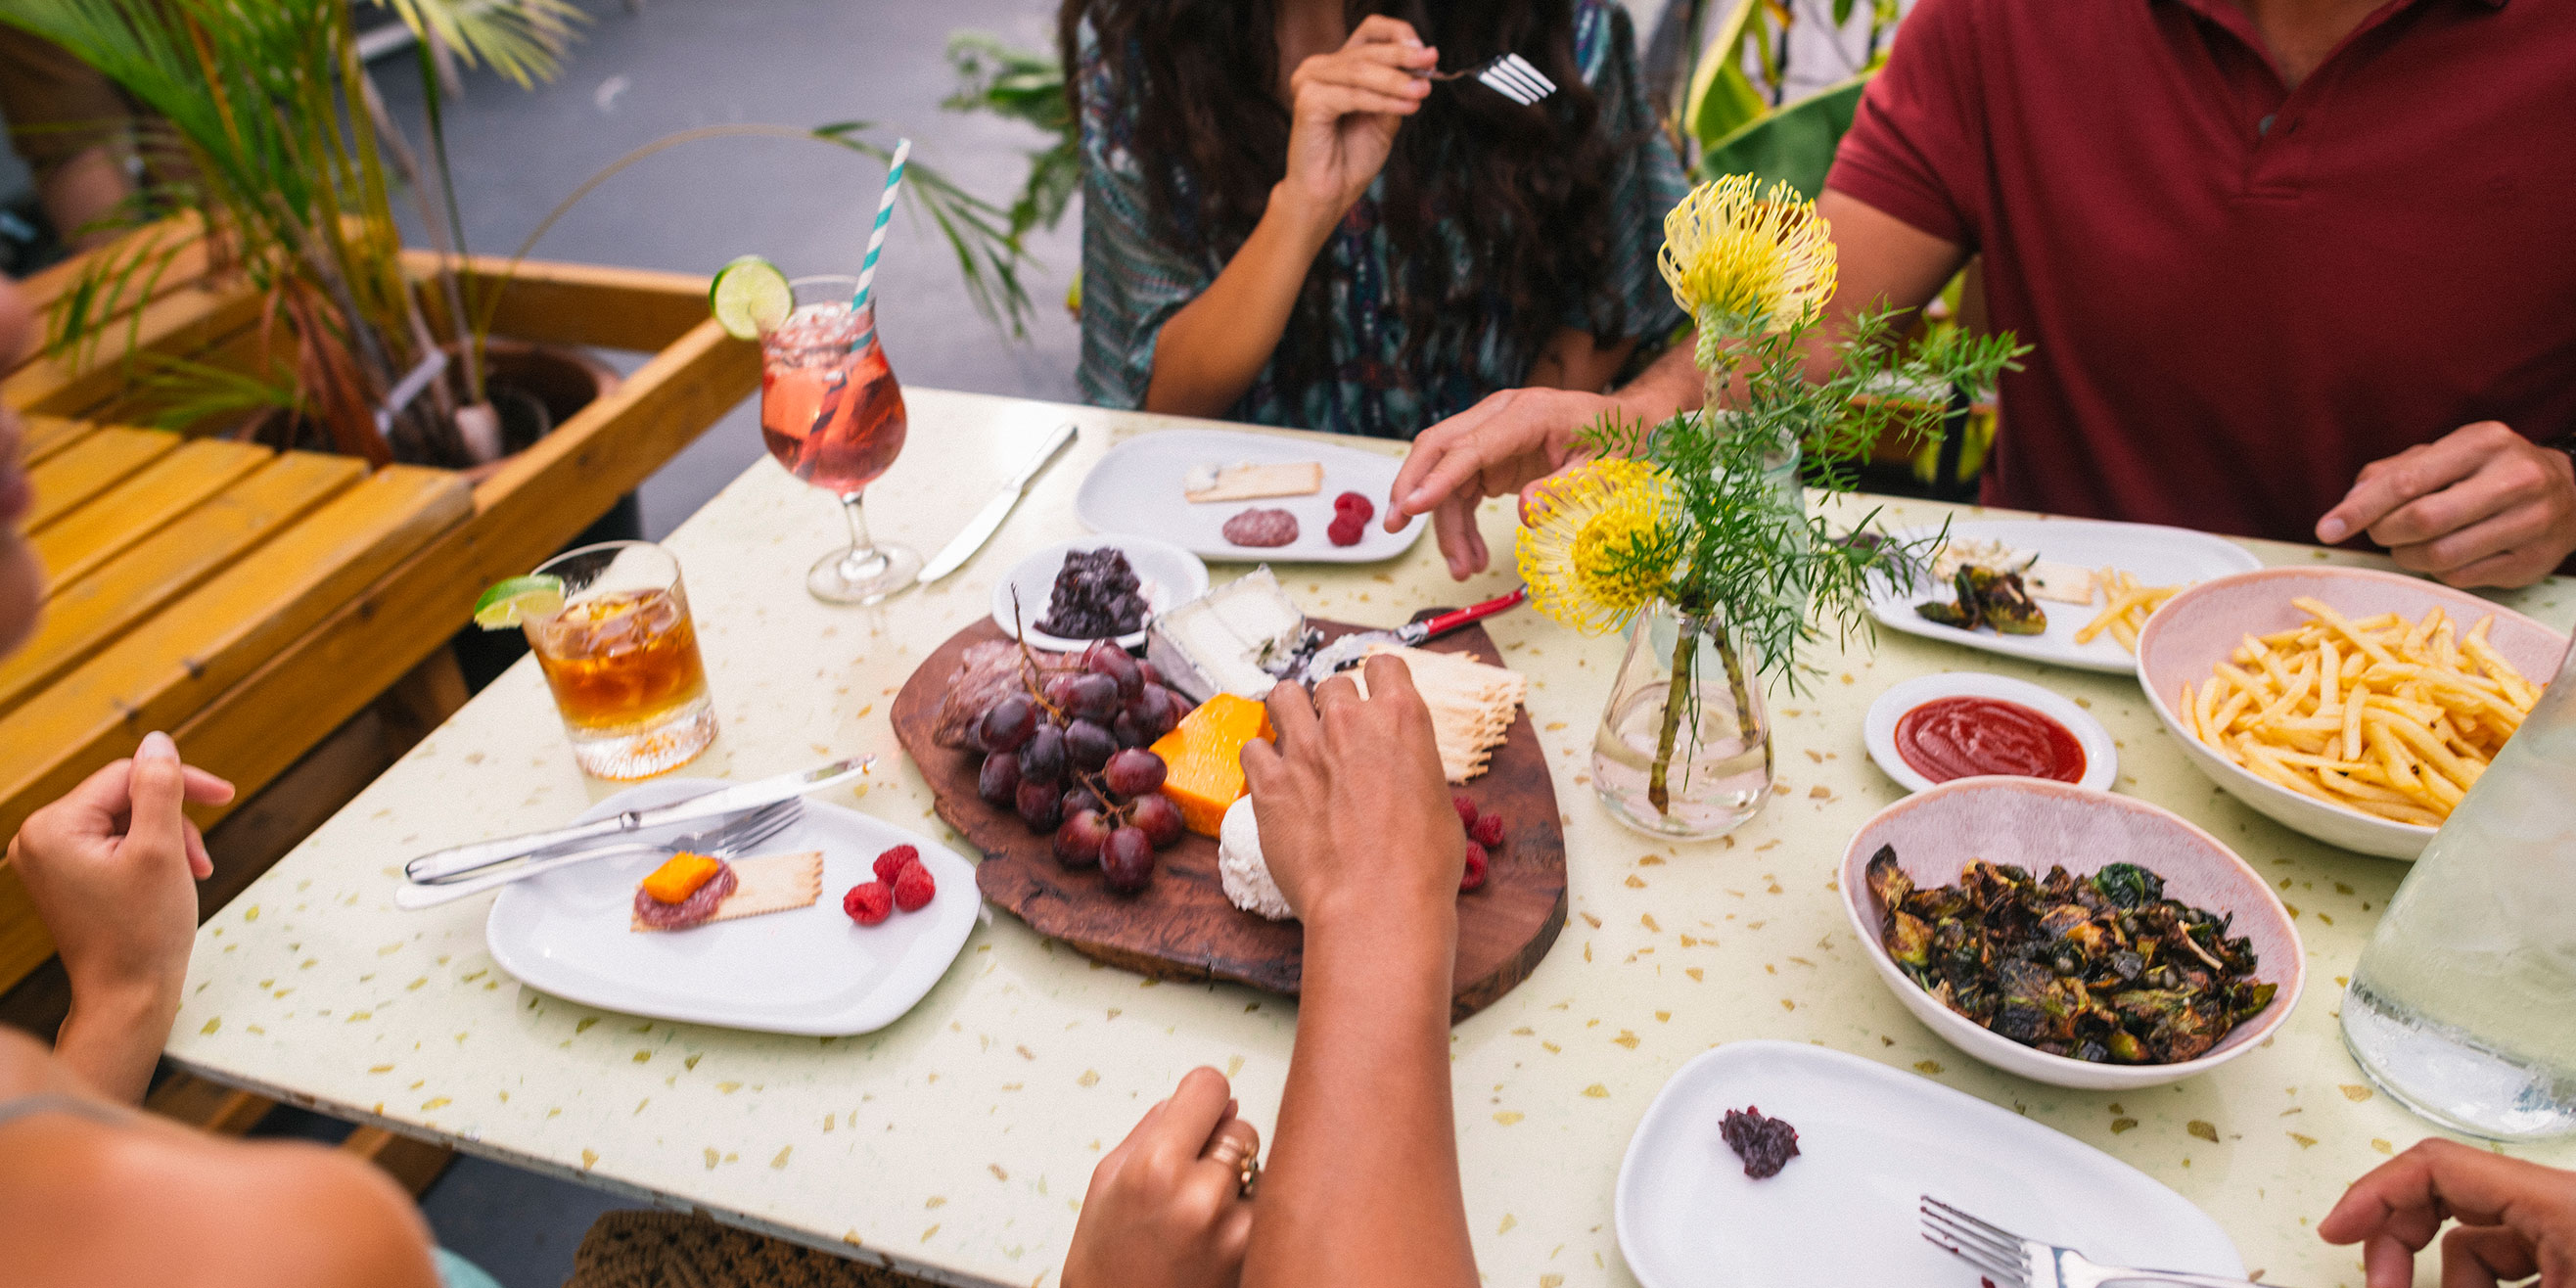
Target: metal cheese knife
x,y
988,520
441,866
1347,651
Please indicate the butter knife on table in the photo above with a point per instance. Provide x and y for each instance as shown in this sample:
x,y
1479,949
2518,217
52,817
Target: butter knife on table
x,y
988,520
455,863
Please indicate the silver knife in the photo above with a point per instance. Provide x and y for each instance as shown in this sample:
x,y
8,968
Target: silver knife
x,y
441,866
987,521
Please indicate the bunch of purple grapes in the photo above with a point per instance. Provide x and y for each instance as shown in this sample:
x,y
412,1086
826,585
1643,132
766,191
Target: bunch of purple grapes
x,y
1071,759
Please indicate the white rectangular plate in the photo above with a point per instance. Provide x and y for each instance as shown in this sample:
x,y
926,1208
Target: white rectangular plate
x,y
2157,556
1137,488
1872,1140
807,970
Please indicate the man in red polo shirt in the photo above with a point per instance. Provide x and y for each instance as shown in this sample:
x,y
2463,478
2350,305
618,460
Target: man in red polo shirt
x,y
2298,269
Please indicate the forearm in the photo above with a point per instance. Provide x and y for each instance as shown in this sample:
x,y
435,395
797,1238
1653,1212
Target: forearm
x,y
1670,384
114,1039
1211,351
1363,1186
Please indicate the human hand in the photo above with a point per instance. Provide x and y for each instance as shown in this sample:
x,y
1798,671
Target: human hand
x,y
2480,506
1166,1208
108,866
1511,442
2517,1219
1354,809
1346,106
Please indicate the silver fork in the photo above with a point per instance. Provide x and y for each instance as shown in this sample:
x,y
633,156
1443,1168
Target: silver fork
x,y
2011,1261
1509,75
723,841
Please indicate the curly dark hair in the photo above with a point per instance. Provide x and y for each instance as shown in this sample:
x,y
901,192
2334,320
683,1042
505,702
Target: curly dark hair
x,y
1527,189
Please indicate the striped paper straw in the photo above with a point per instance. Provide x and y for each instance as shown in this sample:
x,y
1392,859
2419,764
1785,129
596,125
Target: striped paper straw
x,y
877,237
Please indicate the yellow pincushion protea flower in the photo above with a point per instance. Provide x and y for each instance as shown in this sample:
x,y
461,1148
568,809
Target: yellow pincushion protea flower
x,y
1733,251
1601,544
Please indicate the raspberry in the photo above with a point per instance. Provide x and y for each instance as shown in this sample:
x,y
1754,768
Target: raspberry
x,y
891,863
1352,503
1466,809
1487,830
1477,865
868,903
913,887
1346,530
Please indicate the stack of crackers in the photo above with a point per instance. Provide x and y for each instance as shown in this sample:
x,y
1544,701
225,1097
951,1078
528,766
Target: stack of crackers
x,y
1472,704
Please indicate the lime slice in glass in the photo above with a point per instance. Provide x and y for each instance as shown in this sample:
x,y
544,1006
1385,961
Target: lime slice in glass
x,y
750,296
519,600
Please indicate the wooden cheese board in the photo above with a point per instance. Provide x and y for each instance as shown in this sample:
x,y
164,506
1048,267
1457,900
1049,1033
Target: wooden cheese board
x,y
1181,927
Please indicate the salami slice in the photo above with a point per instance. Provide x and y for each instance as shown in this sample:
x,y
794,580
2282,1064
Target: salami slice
x,y
1260,527
653,914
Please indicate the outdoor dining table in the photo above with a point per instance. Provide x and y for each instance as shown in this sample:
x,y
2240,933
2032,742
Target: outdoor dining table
x,y
957,1142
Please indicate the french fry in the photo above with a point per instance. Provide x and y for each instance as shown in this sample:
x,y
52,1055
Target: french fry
x,y
2127,608
2387,717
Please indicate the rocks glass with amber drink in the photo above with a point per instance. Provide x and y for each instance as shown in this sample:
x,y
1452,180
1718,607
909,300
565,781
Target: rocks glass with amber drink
x,y
622,659
832,414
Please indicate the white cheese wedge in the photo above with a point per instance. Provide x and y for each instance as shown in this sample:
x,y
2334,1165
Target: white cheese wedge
x,y
1243,869
1245,481
1231,640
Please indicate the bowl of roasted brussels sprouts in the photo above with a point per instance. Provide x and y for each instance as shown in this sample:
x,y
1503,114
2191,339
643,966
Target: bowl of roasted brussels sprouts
x,y
2070,936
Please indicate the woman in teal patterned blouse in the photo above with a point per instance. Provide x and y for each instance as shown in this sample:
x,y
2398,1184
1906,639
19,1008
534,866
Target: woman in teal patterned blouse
x,y
1284,223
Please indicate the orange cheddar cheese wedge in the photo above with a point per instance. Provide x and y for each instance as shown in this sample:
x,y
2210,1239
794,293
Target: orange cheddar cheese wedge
x,y
675,881
1204,758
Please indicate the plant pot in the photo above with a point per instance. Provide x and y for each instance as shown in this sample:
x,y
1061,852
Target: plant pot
x,y
534,387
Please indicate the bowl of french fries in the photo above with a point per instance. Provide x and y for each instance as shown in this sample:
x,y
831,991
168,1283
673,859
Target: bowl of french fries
x,y
2351,705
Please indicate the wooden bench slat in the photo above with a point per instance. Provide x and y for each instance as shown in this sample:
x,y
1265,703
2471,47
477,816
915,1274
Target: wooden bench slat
x,y
91,466
208,1106
171,666
87,615
46,435
578,304
152,498
186,320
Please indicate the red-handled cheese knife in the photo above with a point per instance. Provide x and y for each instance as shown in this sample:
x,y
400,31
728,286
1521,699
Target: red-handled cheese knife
x,y
1349,649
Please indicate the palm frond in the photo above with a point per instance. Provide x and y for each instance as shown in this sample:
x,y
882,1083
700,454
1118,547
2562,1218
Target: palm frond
x,y
179,393
983,237
521,39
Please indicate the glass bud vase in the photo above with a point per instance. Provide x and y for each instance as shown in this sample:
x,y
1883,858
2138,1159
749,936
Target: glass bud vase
x,y
1684,749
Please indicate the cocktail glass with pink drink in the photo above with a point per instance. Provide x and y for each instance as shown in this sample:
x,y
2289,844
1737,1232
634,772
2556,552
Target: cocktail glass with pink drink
x,y
832,414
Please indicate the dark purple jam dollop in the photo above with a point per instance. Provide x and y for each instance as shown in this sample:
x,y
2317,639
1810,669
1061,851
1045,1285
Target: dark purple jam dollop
x,y
1765,1144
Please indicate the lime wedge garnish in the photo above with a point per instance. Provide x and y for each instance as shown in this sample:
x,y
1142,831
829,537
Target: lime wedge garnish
x,y
749,297
519,600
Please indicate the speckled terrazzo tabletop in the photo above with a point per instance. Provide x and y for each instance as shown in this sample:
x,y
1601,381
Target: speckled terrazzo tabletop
x,y
957,1142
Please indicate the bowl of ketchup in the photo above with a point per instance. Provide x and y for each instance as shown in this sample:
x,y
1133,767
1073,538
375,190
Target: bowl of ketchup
x,y
1968,724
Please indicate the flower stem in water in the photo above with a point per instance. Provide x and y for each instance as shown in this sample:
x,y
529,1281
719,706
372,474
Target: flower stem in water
x,y
1676,698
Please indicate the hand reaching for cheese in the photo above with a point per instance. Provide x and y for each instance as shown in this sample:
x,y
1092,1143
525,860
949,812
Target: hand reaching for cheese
x,y
1353,806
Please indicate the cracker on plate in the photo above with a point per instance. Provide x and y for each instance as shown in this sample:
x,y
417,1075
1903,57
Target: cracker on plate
x,y
769,883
